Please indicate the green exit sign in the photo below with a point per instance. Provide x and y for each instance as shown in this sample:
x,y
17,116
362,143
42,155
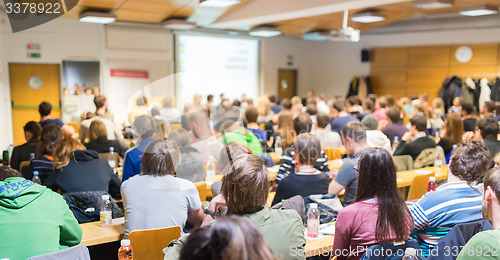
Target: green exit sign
x,y
34,55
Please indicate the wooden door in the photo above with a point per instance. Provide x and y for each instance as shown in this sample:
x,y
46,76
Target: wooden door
x,y
25,96
287,83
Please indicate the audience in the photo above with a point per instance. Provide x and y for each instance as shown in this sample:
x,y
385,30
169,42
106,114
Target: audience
x,y
32,131
275,107
101,106
394,127
438,107
191,165
169,113
374,137
380,109
156,198
45,111
233,132
456,106
98,140
452,132
328,139
341,117
454,202
321,105
367,109
264,110
202,136
34,220
378,215
488,109
227,154
251,115
354,139
488,130
286,106
141,109
50,137
78,170
467,117
415,141
285,131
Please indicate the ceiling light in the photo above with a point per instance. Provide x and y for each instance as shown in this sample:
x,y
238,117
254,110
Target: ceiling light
x,y
97,17
177,24
433,4
320,35
368,17
478,11
218,3
265,31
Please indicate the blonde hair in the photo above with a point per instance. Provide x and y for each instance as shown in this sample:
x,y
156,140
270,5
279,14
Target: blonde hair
x,y
286,131
263,106
96,130
65,151
296,100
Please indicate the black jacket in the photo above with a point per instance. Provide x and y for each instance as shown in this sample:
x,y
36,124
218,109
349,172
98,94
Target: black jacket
x,y
86,172
22,153
102,145
414,148
451,88
85,205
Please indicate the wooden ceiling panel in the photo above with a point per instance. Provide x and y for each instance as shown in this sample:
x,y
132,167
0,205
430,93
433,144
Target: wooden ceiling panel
x,y
101,4
141,6
140,17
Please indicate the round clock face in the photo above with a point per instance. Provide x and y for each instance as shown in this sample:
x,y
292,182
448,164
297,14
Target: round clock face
x,y
35,82
463,54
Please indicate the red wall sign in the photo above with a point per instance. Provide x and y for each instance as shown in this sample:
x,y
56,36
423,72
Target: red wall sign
x,y
143,74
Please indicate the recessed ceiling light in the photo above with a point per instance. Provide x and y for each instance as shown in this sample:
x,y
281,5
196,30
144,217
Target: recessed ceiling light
x,y
433,4
218,3
177,24
97,17
368,17
265,31
478,11
320,35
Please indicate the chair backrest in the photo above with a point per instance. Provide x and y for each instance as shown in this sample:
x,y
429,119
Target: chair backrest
x,y
202,189
333,153
403,162
427,156
148,244
79,252
418,187
391,251
23,164
107,156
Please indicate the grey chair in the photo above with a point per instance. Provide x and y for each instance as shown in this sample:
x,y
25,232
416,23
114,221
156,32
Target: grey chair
x,y
79,252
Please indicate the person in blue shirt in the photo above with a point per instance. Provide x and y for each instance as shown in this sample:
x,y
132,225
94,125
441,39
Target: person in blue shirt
x,y
148,131
45,111
455,202
341,117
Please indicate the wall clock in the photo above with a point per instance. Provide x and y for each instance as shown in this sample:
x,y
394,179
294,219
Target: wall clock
x,y
463,54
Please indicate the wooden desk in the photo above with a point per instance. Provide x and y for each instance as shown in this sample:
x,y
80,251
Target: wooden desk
x,y
94,234
405,178
319,246
275,156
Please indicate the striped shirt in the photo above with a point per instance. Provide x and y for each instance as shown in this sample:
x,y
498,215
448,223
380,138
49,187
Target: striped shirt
x,y
287,164
438,211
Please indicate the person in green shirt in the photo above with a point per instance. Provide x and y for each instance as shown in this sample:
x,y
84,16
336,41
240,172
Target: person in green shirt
x,y
232,132
34,220
486,244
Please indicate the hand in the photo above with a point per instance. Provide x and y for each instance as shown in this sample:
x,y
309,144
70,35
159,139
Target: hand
x,y
216,202
468,136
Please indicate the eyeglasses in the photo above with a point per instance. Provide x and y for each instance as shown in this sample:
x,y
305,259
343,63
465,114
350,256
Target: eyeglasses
x,y
356,169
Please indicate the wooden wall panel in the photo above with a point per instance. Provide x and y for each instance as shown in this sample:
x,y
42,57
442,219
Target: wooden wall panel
x,y
482,55
438,56
426,80
394,57
389,81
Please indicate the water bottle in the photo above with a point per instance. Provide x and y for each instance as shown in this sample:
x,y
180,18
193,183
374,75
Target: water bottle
x,y
125,252
395,143
410,254
431,185
5,158
112,157
438,162
105,213
36,178
278,147
313,220
454,146
11,149
436,135
211,166
32,156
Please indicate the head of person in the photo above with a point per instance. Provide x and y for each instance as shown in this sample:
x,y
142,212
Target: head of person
x,y
44,109
467,109
370,122
65,151
418,124
181,137
236,103
311,109
405,101
380,103
272,99
296,100
228,238
310,93
437,103
424,99
487,128
339,106
49,138
491,195
457,101
307,149
168,102
263,106
302,124
368,105
160,158
322,120
97,129
394,115
488,108
32,132
210,98
454,128
470,161
100,102
286,104
353,136
377,180
197,99
390,100
146,127
228,153
141,101
222,96
7,172
251,114
285,128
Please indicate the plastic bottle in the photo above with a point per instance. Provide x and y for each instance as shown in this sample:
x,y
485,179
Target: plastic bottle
x,y
125,252
211,166
438,162
454,146
395,143
105,213
278,147
32,156
436,135
112,157
313,220
11,149
410,254
431,185
5,158
36,178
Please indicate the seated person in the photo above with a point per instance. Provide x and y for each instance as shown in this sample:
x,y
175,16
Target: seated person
x,y
50,137
147,131
378,215
251,115
233,132
246,186
191,165
226,236
140,109
45,111
452,132
415,141
301,124
34,220
80,170
156,198
32,131
491,211
354,139
328,139
374,137
454,202
487,130
202,135
380,112
99,142
394,127
341,117
307,180
468,119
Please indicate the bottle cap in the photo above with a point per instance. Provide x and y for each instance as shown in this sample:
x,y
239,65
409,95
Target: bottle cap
x,y
396,138
439,148
105,197
111,149
455,146
125,242
432,178
313,205
278,137
32,154
36,173
410,251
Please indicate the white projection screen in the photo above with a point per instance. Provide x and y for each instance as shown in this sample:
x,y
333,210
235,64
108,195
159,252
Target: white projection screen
x,y
214,65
